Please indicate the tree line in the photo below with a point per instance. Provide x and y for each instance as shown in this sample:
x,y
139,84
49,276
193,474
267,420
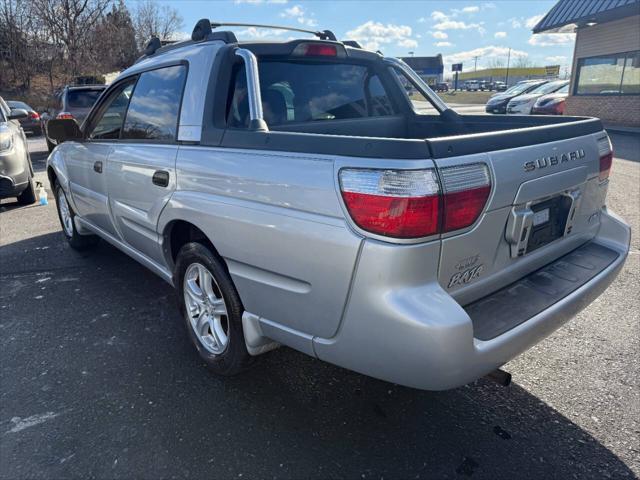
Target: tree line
x,y
59,41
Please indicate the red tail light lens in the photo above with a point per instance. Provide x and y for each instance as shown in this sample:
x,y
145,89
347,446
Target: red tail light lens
x,y
34,116
466,190
606,157
64,115
393,203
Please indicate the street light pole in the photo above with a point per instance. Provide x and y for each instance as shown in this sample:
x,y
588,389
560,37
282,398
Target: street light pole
x,y
506,80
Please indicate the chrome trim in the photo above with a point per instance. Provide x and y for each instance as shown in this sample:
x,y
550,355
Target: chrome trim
x,y
438,103
257,122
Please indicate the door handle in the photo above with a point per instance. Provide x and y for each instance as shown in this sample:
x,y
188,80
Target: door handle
x,y
160,178
97,167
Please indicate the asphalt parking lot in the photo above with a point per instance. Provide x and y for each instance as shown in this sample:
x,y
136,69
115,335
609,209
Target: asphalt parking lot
x,y
98,380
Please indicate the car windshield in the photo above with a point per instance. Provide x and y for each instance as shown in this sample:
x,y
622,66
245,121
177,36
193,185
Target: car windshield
x,y
548,87
14,104
519,88
82,98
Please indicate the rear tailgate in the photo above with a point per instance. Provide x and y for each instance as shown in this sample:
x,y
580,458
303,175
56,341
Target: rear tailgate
x,y
545,201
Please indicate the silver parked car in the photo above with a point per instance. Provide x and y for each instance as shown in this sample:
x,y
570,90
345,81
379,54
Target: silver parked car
x,y
293,194
16,171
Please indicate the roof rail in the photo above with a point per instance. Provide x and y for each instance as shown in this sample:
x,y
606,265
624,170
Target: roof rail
x,y
204,27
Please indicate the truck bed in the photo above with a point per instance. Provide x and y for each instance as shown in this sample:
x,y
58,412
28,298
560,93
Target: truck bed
x,y
427,136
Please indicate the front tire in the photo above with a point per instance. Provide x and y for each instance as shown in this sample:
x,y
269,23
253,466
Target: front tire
x,y
28,195
211,308
67,221
50,144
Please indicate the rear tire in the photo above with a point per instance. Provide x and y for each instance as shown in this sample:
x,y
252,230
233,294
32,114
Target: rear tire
x,y
28,195
67,221
212,310
50,145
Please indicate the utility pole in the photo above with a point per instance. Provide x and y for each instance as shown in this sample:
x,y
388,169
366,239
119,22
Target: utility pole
x,y
475,67
506,80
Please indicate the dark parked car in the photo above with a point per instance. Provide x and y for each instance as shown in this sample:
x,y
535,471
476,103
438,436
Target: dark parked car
x,y
551,104
74,102
32,123
441,87
498,102
16,172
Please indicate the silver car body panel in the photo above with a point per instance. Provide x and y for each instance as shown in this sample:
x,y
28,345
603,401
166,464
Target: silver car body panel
x,y
307,275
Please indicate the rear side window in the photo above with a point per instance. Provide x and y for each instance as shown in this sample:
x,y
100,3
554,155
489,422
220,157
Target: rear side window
x,y
155,105
82,98
309,92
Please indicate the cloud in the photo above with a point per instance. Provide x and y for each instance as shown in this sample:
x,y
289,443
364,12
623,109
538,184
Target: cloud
x,y
439,35
515,23
556,59
471,9
374,34
533,21
500,35
456,25
551,39
254,33
443,44
297,12
483,52
438,16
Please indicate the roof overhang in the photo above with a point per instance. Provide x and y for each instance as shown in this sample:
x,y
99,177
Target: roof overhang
x,y
558,20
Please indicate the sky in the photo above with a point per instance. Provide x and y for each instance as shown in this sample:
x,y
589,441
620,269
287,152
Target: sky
x,y
459,30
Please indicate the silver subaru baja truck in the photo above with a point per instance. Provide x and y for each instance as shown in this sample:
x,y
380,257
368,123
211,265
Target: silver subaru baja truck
x,y
314,194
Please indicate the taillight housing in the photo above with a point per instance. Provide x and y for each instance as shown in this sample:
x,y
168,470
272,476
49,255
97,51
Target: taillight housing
x,y
318,49
64,115
605,150
408,204
34,116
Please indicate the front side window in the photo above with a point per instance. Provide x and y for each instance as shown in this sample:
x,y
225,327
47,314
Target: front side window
x,y
109,123
310,92
155,105
617,74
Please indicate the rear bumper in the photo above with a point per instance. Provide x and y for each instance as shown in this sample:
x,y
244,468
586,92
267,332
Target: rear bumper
x,y
417,335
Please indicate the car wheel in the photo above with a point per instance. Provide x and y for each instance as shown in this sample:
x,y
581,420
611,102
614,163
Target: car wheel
x,y
28,195
50,145
67,216
212,309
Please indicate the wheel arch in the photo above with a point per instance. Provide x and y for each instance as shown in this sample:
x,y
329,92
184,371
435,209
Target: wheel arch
x,y
179,232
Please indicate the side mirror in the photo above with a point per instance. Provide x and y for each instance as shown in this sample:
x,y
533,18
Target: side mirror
x,y
63,129
17,114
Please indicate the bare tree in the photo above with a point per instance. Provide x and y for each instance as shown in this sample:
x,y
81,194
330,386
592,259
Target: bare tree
x,y
16,40
522,62
152,20
70,23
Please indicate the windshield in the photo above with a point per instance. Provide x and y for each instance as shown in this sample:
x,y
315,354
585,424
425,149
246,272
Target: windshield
x,y
548,87
14,104
519,88
82,98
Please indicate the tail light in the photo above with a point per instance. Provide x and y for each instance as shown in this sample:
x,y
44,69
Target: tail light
x,y
410,203
393,203
606,157
64,115
34,116
466,189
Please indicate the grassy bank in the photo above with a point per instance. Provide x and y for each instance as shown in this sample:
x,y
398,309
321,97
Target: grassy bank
x,y
479,98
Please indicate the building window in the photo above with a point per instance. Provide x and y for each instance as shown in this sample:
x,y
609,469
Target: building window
x,y
617,74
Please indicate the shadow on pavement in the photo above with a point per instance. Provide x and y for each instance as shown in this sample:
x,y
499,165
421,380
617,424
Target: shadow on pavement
x,y
103,356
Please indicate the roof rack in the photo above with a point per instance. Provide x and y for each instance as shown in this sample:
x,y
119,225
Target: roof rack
x,y
204,27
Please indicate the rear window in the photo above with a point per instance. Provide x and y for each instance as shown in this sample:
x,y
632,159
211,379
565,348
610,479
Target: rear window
x,y
310,92
82,98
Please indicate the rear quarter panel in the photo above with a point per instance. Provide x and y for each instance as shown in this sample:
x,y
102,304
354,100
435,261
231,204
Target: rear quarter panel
x,y
276,220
